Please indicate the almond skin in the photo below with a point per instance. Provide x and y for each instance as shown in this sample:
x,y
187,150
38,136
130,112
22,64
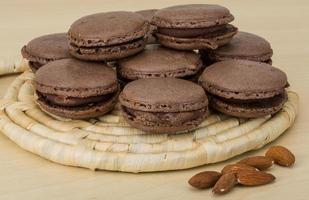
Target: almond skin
x,y
259,162
205,179
281,155
235,168
225,183
251,178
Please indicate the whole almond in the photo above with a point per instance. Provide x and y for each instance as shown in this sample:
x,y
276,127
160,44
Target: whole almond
x,y
225,183
259,162
205,179
251,178
281,155
235,168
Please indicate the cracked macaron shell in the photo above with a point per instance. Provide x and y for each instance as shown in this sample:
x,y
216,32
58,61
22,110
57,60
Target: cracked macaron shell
x,y
244,45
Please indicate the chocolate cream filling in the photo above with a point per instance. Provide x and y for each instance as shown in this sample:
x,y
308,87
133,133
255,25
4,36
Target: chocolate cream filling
x,y
35,65
165,119
108,48
193,32
275,101
73,101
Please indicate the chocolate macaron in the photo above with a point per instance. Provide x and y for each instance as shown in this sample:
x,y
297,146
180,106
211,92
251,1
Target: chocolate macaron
x,y
246,46
245,88
75,89
194,26
108,36
164,105
158,61
148,14
44,49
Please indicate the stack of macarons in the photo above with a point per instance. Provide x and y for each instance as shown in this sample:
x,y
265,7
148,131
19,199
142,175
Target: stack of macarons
x,y
167,68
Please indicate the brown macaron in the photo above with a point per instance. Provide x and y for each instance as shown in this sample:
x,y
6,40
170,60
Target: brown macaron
x,y
75,89
46,48
244,88
194,26
245,46
158,61
148,14
164,105
108,36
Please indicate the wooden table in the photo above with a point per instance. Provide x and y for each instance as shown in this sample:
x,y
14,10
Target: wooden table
x,y
26,176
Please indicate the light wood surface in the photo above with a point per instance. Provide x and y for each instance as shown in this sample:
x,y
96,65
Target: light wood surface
x,y
26,176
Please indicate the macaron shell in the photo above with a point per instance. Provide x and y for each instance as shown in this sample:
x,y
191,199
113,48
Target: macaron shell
x,y
192,16
209,41
109,53
157,61
243,46
70,77
80,112
249,110
108,28
47,48
163,95
190,32
242,79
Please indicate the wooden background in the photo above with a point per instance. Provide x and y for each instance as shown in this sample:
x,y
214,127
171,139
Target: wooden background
x,y
25,176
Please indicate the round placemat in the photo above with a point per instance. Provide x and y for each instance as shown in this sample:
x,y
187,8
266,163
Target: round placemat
x,y
109,143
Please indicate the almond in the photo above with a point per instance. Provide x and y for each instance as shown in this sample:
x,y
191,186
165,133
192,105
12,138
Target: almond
x,y
235,168
205,179
281,155
225,183
254,178
259,162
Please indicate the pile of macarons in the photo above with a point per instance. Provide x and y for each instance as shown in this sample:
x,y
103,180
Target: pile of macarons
x,y
168,68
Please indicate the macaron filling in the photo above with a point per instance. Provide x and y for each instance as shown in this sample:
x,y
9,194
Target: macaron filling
x,y
74,101
210,40
249,109
35,65
163,119
106,52
195,32
258,58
